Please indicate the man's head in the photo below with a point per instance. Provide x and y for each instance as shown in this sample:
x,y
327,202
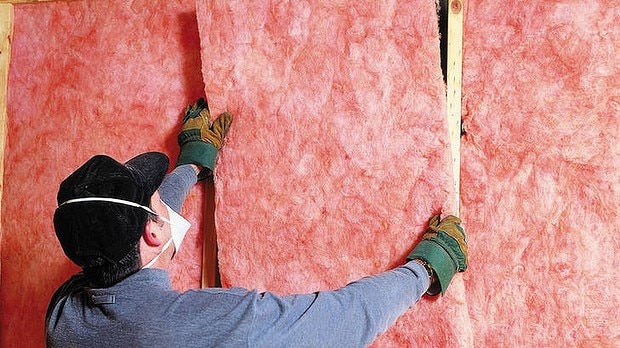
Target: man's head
x,y
102,236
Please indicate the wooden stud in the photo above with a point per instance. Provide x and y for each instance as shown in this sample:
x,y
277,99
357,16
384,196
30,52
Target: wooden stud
x,y
453,86
6,34
210,271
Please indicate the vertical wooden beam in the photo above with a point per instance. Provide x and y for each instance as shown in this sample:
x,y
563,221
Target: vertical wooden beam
x,y
454,83
210,271
6,34
453,86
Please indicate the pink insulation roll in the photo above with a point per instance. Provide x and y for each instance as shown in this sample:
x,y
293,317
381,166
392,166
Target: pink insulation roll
x,y
540,172
338,153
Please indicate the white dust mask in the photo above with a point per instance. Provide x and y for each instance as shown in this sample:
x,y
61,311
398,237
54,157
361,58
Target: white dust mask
x,y
178,227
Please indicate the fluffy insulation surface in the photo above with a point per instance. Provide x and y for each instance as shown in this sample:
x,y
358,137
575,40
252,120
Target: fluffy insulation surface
x,y
540,172
87,77
338,153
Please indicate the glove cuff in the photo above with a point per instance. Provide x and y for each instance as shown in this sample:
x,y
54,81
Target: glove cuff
x,y
438,259
199,153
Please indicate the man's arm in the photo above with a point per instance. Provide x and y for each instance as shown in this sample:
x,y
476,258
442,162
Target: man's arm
x,y
352,316
356,314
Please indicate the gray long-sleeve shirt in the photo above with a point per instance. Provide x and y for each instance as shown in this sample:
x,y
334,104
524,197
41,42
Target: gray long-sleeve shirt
x,y
144,311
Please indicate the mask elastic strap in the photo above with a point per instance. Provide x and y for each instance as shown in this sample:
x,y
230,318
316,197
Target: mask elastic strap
x,y
113,200
166,246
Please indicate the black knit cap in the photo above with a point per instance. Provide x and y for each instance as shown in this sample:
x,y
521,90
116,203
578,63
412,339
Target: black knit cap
x,y
96,233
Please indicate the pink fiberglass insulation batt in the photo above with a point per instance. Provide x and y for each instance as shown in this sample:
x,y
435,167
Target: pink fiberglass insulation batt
x,y
338,153
87,77
540,175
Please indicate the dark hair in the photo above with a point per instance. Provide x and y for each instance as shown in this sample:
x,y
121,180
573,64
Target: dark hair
x,y
104,274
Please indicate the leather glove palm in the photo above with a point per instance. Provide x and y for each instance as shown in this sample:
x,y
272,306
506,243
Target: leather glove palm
x,y
200,139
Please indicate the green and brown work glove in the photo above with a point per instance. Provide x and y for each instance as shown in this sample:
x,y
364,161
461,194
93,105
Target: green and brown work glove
x,y
200,139
444,249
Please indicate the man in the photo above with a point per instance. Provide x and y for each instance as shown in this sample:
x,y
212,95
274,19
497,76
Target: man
x,y
120,224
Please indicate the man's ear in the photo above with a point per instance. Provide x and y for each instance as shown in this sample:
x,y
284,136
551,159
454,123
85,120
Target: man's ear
x,y
152,233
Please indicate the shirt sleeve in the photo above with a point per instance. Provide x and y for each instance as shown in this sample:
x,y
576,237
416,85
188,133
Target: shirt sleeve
x,y
352,316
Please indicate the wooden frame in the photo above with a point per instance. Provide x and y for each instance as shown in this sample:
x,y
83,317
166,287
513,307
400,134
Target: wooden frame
x,y
6,33
453,91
